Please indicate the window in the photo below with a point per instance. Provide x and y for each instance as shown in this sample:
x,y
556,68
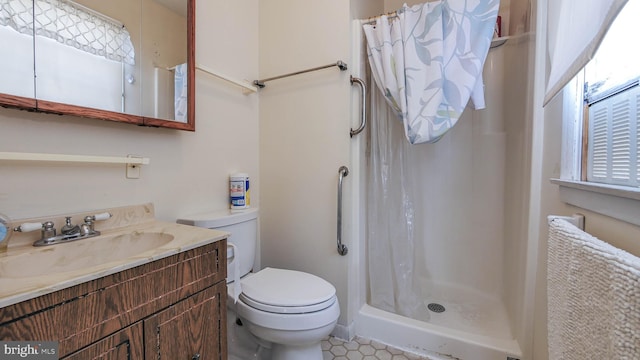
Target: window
x,y
613,138
613,98
601,126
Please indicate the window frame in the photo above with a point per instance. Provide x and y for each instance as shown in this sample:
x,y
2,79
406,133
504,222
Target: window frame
x,y
616,201
625,100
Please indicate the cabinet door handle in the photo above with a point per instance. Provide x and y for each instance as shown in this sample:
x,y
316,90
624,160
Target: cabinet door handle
x,y
196,357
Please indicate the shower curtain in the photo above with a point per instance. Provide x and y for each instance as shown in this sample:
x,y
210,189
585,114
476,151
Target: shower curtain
x,y
391,214
410,189
428,62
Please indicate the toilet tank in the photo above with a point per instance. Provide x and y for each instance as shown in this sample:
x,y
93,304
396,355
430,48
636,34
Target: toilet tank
x,y
243,226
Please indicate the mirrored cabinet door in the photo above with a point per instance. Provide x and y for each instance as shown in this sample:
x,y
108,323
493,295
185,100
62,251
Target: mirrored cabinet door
x,y
164,59
129,61
86,54
16,63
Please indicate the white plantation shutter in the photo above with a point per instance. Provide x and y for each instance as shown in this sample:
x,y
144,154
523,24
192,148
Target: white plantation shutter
x,y
613,139
598,140
637,134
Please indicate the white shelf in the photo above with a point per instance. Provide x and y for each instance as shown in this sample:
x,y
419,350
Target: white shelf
x,y
131,159
499,41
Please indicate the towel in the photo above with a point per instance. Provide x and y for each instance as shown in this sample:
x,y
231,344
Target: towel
x,y
593,297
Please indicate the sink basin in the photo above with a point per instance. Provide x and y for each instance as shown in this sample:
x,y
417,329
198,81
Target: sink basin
x,y
81,254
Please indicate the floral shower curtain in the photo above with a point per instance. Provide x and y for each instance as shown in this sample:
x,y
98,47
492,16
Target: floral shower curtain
x,y
428,62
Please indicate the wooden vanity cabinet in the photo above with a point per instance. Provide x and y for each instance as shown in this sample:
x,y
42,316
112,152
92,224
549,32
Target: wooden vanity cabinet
x,y
125,344
185,329
172,308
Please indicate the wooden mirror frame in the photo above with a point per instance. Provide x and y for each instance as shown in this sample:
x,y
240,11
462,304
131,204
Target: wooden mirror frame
x,y
51,107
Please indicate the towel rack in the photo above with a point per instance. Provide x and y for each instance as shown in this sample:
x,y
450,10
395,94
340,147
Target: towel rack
x,y
576,220
363,101
243,84
341,65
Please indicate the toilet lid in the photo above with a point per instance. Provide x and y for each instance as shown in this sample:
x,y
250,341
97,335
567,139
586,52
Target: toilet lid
x,y
287,291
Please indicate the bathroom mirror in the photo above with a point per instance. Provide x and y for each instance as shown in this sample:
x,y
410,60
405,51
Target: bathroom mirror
x,y
119,60
16,63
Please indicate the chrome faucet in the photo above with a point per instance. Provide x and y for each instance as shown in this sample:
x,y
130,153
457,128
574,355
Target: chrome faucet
x,y
68,232
87,229
69,229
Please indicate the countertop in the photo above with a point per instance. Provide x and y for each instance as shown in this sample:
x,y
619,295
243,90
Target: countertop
x,y
30,276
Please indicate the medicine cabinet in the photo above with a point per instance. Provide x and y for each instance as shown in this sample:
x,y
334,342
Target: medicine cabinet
x,y
130,61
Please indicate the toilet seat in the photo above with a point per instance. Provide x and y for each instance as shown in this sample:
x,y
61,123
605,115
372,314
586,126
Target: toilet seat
x,y
287,309
283,291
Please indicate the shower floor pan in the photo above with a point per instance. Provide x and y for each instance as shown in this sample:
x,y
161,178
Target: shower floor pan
x,y
472,326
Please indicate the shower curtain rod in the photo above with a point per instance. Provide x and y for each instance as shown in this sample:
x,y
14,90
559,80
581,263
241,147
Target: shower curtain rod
x,y
390,15
341,65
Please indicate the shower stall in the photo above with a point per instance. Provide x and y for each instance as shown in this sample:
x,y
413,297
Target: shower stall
x,y
442,227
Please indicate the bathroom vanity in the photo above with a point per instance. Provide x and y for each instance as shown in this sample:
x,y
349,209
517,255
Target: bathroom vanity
x,y
164,306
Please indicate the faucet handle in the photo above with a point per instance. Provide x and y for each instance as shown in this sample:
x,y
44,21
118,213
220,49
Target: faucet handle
x,y
48,230
91,218
47,227
87,227
27,227
101,216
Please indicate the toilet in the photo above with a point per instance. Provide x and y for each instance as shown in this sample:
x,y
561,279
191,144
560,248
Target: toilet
x,y
287,312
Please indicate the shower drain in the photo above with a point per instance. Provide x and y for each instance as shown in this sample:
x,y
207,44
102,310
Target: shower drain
x,y
435,307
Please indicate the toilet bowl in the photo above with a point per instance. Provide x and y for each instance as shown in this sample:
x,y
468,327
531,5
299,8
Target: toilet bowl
x,y
291,309
289,312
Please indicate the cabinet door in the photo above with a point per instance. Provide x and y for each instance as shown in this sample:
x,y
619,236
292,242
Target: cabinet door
x,y
16,63
194,328
126,344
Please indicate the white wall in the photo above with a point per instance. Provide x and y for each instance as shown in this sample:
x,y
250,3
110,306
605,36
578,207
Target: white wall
x,y
617,233
362,9
304,136
548,149
188,171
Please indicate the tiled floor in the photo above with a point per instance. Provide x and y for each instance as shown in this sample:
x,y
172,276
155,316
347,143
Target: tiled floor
x,y
363,349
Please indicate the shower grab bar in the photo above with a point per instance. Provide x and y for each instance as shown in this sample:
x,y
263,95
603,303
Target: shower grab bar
x,y
363,100
260,83
342,249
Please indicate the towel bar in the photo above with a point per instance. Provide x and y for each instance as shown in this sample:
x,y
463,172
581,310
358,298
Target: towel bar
x,y
341,65
576,220
247,87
